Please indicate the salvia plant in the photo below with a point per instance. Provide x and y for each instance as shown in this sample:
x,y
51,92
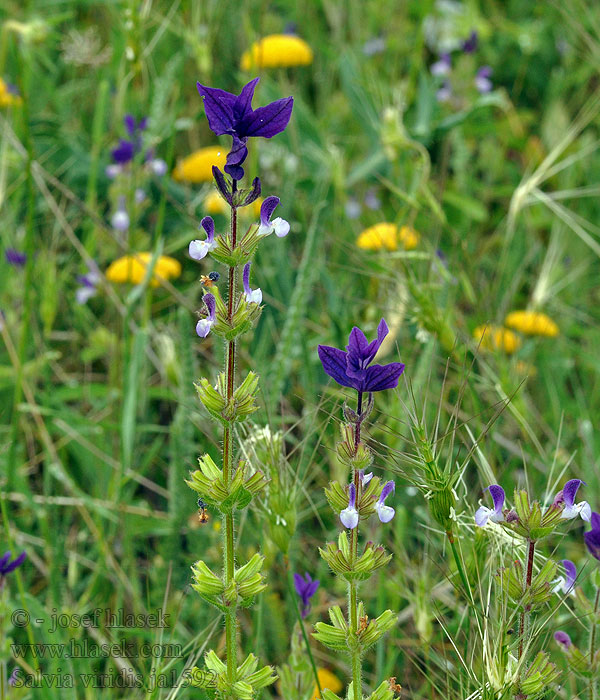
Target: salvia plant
x,y
230,486
364,496
526,587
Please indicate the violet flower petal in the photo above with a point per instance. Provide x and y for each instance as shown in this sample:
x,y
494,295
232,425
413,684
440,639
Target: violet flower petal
x,y
334,364
218,105
498,497
268,121
563,639
381,377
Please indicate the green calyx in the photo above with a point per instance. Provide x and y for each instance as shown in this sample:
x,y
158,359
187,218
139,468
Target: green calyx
x,y
340,637
247,678
208,482
246,583
340,560
243,318
532,523
243,251
538,678
539,592
351,457
238,407
337,497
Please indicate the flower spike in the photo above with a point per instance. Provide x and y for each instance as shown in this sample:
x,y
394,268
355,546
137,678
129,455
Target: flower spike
x,y
253,296
349,516
496,515
205,324
385,513
200,249
278,226
571,509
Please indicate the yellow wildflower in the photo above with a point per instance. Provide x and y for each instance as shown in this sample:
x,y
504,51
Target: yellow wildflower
x,y
215,204
197,167
277,51
132,268
497,338
8,97
385,236
409,237
532,323
327,680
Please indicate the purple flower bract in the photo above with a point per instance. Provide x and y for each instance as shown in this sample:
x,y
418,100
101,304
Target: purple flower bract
x,y
233,115
350,367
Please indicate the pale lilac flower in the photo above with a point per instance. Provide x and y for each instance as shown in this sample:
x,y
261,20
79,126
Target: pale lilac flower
x,y
111,171
566,584
139,195
349,516
444,93
158,166
442,66
205,324
566,497
305,588
352,208
253,296
280,227
482,80
89,283
120,219
374,46
200,249
372,201
496,515
385,513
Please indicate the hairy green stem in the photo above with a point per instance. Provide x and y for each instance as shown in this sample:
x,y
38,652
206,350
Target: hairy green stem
x,y
353,620
592,650
229,550
524,618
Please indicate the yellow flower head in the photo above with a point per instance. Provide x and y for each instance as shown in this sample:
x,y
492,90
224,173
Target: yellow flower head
x,y
277,51
132,269
408,237
215,204
8,97
327,680
497,338
197,167
532,323
385,236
